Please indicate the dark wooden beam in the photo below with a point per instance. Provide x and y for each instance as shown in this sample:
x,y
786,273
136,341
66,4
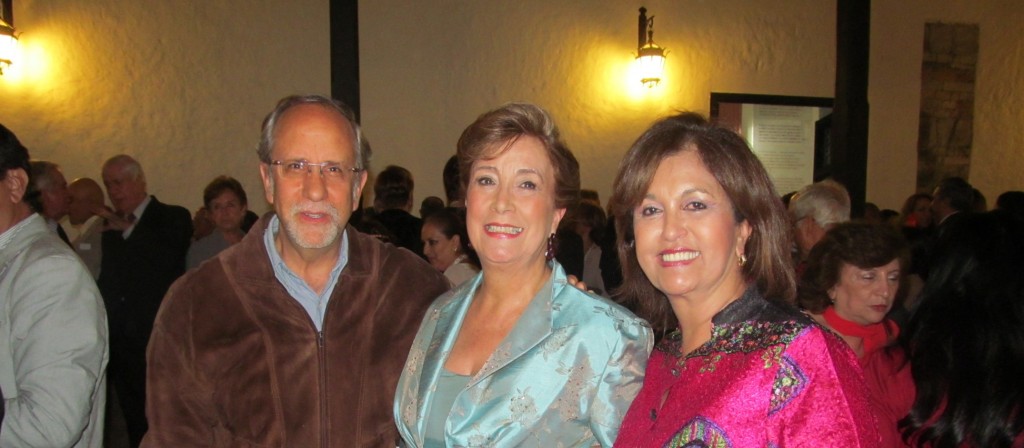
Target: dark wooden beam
x,y
7,11
850,117
345,52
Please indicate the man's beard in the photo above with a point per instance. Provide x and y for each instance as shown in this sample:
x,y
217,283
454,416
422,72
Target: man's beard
x,y
328,235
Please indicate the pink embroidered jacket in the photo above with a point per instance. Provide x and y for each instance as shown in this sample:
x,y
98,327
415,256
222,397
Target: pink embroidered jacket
x,y
769,377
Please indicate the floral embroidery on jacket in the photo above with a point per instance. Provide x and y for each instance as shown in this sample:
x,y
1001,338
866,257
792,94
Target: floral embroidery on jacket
x,y
563,377
556,341
741,337
580,379
521,407
789,382
699,432
779,380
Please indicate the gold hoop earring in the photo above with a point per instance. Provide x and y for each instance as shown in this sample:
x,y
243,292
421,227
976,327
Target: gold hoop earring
x,y
743,260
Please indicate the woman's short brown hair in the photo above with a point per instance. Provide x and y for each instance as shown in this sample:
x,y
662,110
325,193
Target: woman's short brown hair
x,y
728,158
857,244
494,132
219,185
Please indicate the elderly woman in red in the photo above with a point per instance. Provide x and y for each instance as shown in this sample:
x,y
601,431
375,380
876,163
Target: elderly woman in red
x,y
704,244
851,283
852,280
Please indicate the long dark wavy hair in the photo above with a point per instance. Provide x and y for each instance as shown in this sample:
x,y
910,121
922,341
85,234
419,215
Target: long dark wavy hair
x,y
965,338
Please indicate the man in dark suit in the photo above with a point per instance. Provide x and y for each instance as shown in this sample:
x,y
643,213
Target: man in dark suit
x,y
393,200
952,199
144,250
953,195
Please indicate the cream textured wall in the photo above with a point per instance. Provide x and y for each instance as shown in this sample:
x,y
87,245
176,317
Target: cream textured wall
x,y
997,160
428,68
181,85
184,85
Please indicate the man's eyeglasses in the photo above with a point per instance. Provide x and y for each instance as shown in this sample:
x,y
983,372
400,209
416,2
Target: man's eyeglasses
x,y
298,169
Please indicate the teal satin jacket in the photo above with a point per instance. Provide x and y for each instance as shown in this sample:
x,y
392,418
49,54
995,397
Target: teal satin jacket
x,y
564,376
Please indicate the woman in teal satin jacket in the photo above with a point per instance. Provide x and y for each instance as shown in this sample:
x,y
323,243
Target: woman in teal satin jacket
x,y
516,357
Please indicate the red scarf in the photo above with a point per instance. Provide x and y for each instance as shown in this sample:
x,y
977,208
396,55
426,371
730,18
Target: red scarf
x,y
874,336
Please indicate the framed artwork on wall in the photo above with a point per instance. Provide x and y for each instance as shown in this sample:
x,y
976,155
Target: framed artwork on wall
x,y
790,134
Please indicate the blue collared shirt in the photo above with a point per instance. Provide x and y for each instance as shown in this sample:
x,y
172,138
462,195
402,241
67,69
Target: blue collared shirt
x,y
314,304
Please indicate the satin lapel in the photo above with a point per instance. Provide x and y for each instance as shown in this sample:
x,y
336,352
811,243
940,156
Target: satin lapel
x,y
446,331
532,328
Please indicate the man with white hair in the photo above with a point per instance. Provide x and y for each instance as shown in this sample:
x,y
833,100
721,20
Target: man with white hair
x,y
815,209
143,253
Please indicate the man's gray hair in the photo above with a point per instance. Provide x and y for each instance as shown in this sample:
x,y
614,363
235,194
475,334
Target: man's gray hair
x,y
266,144
40,178
42,174
128,164
826,202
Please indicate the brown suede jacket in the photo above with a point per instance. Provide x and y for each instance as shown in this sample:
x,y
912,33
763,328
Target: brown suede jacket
x,y
235,361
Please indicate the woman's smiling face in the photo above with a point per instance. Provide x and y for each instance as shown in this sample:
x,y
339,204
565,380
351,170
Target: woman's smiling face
x,y
510,205
687,239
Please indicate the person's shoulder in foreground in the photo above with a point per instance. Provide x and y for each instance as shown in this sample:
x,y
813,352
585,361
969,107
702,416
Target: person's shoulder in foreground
x,y
53,328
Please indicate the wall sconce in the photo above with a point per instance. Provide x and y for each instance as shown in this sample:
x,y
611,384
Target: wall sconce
x,y
8,39
650,58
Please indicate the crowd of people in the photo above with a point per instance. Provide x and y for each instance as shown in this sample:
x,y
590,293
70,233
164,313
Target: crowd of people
x,y
700,308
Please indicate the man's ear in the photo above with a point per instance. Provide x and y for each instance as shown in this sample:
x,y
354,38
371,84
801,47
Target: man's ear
x,y
17,183
357,189
268,182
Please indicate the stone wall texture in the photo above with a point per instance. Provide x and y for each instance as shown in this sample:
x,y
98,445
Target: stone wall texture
x,y
947,102
897,54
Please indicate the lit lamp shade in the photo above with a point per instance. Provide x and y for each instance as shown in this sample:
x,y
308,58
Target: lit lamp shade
x,y
651,64
8,45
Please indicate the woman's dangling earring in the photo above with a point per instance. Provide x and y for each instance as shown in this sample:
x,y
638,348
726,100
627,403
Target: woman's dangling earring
x,y
743,260
552,247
